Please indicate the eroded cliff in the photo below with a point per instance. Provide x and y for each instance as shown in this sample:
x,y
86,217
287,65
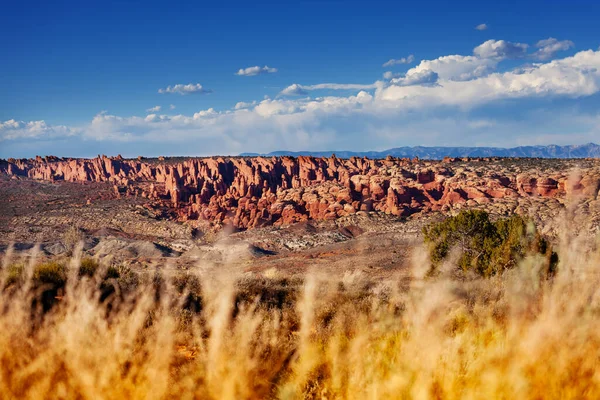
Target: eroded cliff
x,y
248,192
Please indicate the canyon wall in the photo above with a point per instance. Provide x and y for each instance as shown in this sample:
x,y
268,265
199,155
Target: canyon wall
x,y
253,191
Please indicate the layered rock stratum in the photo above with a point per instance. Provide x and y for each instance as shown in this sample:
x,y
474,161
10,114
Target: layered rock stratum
x,y
249,192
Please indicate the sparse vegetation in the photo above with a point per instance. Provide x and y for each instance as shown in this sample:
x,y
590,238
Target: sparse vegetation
x,y
265,335
51,273
483,246
13,274
88,267
71,238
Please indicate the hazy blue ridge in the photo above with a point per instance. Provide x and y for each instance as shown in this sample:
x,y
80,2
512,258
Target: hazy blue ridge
x,y
589,150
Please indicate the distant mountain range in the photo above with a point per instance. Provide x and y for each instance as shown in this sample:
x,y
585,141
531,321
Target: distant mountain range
x,y
435,153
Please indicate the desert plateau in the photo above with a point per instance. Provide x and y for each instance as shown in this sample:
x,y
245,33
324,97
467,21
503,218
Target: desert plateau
x,y
276,211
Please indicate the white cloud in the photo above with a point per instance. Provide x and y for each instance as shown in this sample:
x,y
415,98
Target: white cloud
x,y
256,70
185,89
153,109
571,77
294,90
171,106
353,123
205,113
404,60
425,106
10,124
424,77
243,105
500,49
327,104
302,90
152,118
16,130
547,48
484,61
340,86
268,107
456,67
481,27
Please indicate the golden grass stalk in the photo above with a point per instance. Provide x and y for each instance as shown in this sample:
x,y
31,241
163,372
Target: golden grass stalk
x,y
516,336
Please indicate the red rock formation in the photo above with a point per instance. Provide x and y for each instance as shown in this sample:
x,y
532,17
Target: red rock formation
x,y
250,192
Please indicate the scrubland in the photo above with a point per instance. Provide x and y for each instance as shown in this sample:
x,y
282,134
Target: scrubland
x,y
80,330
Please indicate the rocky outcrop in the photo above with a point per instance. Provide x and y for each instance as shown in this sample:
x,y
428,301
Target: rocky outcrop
x,y
253,191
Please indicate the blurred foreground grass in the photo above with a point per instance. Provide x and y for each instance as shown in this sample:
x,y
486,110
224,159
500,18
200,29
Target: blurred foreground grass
x,y
80,330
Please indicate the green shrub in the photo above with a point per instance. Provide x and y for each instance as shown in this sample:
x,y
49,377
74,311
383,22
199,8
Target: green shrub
x,y
120,279
127,279
486,247
51,277
52,273
88,267
189,284
14,274
112,272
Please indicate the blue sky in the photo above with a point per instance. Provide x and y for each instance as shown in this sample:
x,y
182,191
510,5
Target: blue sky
x,y
80,79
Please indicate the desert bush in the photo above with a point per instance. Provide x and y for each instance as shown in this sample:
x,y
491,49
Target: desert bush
x,y
277,292
128,279
88,267
13,274
50,279
71,238
483,246
118,279
187,284
50,273
112,272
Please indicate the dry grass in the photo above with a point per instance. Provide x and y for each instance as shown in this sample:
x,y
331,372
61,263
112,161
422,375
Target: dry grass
x,y
516,336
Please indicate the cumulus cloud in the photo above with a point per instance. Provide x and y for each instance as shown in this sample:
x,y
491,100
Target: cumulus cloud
x,y
547,48
153,109
571,77
256,70
424,106
205,114
500,49
294,90
391,75
320,105
241,105
484,61
269,124
456,67
16,130
340,86
171,106
424,77
404,60
10,124
352,123
302,90
182,89
268,117
481,27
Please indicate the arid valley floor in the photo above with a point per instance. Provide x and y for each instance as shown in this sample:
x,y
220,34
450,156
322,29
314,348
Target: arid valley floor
x,y
283,213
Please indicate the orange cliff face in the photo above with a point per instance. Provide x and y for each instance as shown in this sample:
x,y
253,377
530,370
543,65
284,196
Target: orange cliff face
x,y
251,192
